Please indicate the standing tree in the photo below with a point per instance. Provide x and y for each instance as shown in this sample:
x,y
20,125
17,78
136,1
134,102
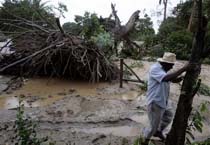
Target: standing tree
x,y
191,82
165,3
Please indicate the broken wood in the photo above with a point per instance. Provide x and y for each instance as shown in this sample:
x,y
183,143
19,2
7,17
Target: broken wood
x,y
121,32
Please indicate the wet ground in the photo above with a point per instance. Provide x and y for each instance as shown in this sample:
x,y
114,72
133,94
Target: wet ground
x,y
82,113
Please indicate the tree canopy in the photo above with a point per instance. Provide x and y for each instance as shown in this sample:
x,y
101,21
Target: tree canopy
x,y
12,12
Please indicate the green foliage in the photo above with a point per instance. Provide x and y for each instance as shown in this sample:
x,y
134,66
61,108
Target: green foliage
x,y
207,142
182,12
204,90
156,51
167,27
73,28
13,12
90,25
174,38
143,29
25,130
180,43
196,121
172,32
136,63
143,86
150,40
104,41
126,73
140,141
206,61
61,9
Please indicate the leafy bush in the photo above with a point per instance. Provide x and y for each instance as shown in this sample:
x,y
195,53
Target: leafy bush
x,y
207,142
90,25
156,51
204,90
104,41
136,63
196,122
206,61
180,43
32,10
25,130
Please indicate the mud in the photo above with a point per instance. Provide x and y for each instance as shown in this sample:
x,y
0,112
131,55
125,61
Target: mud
x,y
81,113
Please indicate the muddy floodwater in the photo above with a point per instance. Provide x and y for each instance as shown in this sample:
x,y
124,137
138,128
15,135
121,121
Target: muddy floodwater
x,y
82,113
38,92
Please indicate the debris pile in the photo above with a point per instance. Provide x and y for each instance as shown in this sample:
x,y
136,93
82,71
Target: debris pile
x,y
56,54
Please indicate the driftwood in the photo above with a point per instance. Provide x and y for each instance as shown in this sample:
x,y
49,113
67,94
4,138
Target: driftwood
x,y
52,52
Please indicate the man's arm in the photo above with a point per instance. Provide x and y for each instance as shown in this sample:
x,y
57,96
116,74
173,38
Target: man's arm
x,y
178,79
173,75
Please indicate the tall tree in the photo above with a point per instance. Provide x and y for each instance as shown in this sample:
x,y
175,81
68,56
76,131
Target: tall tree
x,y
165,3
191,83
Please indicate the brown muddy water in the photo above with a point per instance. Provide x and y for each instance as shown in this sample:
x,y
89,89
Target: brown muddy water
x,y
82,108
43,91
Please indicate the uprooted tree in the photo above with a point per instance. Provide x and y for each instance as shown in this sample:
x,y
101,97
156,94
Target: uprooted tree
x,y
42,49
191,82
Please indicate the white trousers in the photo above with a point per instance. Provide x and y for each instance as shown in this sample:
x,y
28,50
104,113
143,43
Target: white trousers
x,y
159,119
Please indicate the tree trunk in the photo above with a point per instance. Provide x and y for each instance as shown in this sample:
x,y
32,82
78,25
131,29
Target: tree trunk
x,y
121,32
165,2
190,86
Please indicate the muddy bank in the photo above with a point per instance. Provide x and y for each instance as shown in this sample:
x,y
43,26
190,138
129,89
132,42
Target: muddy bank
x,y
87,114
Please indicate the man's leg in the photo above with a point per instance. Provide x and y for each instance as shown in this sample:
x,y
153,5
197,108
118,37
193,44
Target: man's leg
x,y
155,114
166,119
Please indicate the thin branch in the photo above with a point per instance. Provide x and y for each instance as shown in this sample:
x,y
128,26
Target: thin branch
x,y
23,59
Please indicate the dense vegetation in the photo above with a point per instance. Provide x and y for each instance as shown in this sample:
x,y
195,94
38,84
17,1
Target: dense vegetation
x,y
12,12
173,33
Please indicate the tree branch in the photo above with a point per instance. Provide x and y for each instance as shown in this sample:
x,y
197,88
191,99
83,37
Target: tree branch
x,y
117,20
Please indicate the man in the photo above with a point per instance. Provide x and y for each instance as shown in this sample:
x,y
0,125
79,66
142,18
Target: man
x,y
159,80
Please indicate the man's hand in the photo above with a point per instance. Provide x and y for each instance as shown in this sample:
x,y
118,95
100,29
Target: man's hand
x,y
187,67
178,79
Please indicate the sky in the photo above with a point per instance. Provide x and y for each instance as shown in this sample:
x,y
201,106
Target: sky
x,y
124,8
